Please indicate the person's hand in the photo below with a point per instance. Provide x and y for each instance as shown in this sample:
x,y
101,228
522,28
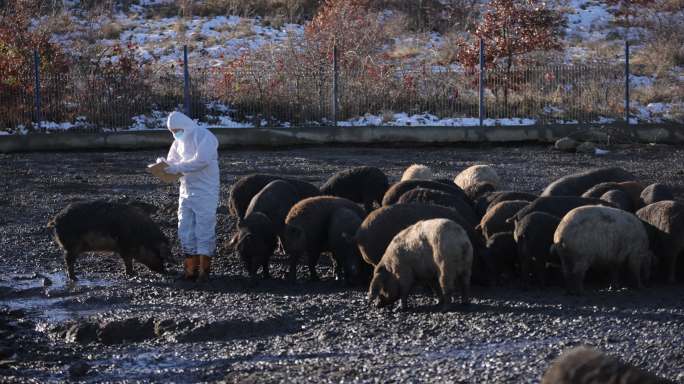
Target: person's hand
x,y
161,160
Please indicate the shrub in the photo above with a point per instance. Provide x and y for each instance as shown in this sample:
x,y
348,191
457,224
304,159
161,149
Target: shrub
x,y
17,43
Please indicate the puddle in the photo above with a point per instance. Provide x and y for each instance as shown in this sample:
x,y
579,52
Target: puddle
x,y
297,357
48,296
152,365
472,352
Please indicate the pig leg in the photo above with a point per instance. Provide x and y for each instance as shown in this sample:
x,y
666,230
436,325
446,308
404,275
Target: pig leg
x,y
635,269
292,272
405,284
615,279
128,264
403,300
69,259
464,284
446,286
266,274
313,261
338,267
540,271
525,262
671,262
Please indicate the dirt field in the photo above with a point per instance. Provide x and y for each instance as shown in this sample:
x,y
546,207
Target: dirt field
x,y
154,328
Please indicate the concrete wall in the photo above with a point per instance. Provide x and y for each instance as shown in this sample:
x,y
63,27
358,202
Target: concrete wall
x,y
280,137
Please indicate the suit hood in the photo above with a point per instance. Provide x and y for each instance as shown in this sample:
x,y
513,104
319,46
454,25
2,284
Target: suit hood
x,y
178,120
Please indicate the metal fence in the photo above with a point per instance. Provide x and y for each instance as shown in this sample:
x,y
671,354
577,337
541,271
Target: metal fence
x,y
426,95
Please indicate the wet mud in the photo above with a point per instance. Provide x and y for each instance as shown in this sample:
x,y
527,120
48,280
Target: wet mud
x,y
108,327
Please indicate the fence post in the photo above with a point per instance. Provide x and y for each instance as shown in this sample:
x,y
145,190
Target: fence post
x,y
480,99
335,81
627,82
36,93
186,82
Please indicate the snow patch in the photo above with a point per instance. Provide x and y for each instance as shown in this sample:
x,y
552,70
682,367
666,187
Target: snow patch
x,y
426,119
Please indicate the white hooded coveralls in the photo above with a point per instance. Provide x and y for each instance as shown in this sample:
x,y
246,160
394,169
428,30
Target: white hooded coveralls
x,y
196,158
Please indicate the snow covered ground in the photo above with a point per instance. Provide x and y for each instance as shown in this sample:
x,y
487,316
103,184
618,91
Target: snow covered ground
x,y
212,40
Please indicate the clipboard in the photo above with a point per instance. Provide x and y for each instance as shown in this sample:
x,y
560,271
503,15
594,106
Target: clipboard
x,y
158,170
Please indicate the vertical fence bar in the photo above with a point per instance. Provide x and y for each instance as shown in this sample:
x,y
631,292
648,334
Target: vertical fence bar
x,y
36,93
186,82
627,81
480,99
335,81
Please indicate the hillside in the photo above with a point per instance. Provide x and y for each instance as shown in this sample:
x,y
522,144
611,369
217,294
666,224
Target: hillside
x,y
221,33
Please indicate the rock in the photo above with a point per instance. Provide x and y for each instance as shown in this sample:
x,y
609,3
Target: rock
x,y
592,135
163,326
78,369
566,144
586,147
82,333
128,330
168,327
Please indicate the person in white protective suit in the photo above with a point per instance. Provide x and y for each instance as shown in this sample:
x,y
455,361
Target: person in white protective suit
x,y
194,154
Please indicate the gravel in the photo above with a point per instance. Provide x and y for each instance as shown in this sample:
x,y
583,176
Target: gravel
x,y
154,328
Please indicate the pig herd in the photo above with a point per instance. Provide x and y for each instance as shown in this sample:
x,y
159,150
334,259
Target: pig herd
x,y
442,234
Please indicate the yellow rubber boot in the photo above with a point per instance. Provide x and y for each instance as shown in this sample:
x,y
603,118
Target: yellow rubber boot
x,y
204,268
190,264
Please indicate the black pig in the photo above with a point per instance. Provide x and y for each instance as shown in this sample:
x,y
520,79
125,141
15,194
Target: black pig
x,y
107,226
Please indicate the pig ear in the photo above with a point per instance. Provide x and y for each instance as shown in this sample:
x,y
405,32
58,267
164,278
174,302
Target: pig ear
x,y
382,272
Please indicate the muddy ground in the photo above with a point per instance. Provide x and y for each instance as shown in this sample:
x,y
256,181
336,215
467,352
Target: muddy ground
x,y
154,328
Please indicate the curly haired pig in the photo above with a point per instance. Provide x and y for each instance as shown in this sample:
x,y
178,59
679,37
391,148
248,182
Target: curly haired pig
x,y
348,262
395,191
494,221
654,193
584,365
257,235
477,174
435,252
364,185
533,235
108,226
619,199
601,237
378,229
307,224
242,191
503,255
577,184
483,203
632,188
667,217
434,197
556,205
417,172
